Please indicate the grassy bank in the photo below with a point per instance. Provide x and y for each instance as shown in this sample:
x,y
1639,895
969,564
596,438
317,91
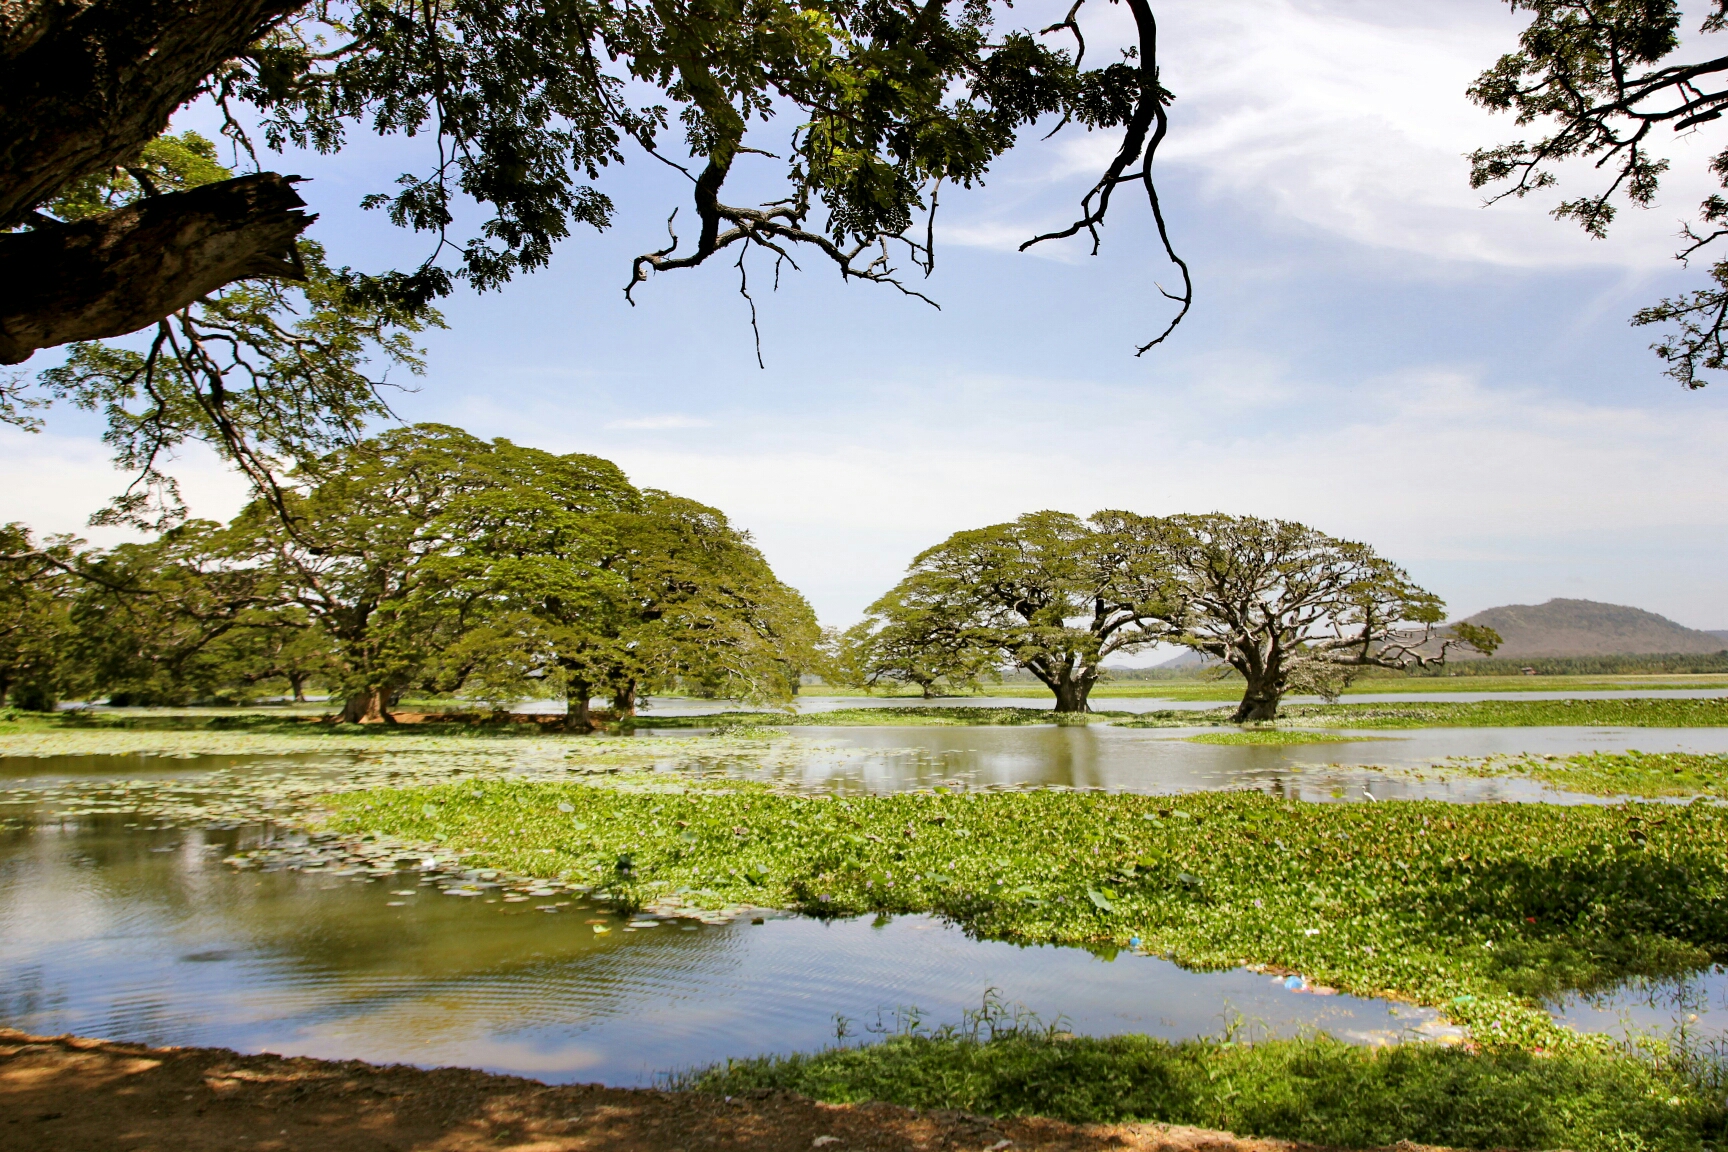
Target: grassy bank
x,y
1315,1090
1481,909
1630,713
1199,688
1646,774
1275,737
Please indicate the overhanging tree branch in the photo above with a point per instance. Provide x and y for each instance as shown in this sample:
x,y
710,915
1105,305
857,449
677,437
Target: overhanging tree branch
x,y
123,270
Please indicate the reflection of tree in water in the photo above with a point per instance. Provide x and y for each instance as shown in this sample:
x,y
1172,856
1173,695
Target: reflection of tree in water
x,y
1697,992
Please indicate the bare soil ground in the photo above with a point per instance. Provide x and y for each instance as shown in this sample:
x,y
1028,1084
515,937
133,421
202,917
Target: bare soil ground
x,y
69,1094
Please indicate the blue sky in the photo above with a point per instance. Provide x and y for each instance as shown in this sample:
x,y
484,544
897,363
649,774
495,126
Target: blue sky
x,y
1370,351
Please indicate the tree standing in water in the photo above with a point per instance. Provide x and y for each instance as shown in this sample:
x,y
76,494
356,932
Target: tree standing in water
x,y
1278,601
1049,592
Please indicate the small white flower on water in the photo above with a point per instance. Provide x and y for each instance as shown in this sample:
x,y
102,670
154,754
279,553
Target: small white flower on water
x,y
1310,931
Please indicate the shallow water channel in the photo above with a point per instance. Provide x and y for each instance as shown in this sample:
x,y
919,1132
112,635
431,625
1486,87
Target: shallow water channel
x,y
122,926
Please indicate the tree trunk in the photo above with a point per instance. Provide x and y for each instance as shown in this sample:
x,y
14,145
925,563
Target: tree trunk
x,y
127,269
1260,701
371,706
84,84
1071,694
624,699
297,684
576,717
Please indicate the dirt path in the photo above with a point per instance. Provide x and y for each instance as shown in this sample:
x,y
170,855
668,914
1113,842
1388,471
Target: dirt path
x,y
70,1094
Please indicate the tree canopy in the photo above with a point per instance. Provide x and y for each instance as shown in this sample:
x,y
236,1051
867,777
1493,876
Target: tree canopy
x,y
421,559
521,106
1050,593
1603,79
1282,604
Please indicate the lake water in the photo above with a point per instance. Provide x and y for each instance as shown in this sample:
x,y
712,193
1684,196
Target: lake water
x,y
685,706
126,927
1163,760
143,936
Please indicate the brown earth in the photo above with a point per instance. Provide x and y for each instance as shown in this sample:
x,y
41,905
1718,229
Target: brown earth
x,y
68,1094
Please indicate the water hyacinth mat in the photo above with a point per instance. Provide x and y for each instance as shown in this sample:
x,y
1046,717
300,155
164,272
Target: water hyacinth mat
x,y
1485,910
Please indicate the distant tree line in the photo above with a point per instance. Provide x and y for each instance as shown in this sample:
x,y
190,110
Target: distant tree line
x,y
1286,607
422,559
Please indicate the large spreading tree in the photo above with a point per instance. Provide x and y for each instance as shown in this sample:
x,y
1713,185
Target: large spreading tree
x,y
419,559
401,550
1607,83
1049,593
1281,602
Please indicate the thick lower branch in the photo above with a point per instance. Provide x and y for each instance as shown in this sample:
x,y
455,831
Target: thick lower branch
x,y
127,269
84,84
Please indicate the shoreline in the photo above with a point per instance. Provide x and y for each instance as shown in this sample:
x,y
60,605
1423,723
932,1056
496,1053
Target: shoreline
x,y
70,1093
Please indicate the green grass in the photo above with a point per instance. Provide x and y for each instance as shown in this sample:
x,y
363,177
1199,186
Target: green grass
x,y
1645,774
1197,688
1276,737
1635,712
1480,909
1315,1090
1631,713
301,724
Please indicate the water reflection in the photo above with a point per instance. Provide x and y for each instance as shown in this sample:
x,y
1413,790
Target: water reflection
x,y
112,925
1696,1003
1161,761
31,772
141,936
688,706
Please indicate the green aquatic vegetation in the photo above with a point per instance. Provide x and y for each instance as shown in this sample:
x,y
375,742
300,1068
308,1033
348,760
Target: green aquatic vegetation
x,y
1276,737
1483,910
1315,1089
1631,713
1645,774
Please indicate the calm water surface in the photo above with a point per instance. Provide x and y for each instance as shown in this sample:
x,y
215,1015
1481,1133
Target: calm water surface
x,y
140,933
1162,760
143,936
685,706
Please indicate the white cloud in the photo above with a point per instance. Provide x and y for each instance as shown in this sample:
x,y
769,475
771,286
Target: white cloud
x,y
1487,494
1349,119
53,483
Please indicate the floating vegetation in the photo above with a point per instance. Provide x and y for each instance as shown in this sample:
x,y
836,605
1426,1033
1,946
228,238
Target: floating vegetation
x,y
1645,774
1482,910
1710,712
1277,737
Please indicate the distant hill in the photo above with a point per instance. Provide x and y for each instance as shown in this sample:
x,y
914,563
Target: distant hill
x,y
1188,658
1588,628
